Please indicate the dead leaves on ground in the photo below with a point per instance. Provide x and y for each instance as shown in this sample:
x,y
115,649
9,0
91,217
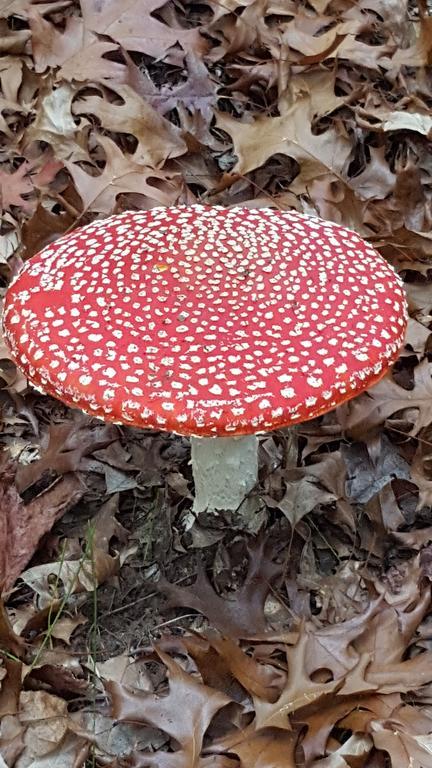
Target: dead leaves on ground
x,y
313,697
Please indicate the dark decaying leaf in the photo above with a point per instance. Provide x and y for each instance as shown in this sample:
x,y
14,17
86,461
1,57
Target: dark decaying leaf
x,y
68,443
23,525
241,614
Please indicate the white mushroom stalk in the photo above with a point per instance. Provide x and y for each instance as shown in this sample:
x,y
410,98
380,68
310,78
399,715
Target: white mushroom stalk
x,y
225,471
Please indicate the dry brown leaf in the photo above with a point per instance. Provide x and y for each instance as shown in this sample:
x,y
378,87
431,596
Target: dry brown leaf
x,y
353,752
122,175
300,691
66,626
23,525
11,684
56,126
239,616
46,720
267,748
76,576
158,140
371,466
68,442
79,54
70,753
261,680
186,694
197,94
302,495
9,641
386,398
14,185
406,749
290,135
44,227
132,24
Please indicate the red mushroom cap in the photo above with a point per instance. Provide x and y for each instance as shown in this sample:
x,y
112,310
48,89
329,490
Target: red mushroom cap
x,y
205,320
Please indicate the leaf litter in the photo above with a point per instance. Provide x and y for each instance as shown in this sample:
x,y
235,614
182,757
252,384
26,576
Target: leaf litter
x,y
131,633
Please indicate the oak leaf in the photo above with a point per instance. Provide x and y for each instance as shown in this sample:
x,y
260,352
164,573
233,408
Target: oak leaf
x,y
55,125
197,94
23,525
132,24
242,614
67,444
184,714
386,398
121,175
79,53
266,748
157,139
300,691
290,134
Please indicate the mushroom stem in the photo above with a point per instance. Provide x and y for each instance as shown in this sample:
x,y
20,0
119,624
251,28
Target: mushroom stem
x,y
225,469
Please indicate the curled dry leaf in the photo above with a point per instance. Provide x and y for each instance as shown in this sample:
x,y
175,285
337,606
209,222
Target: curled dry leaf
x,y
76,576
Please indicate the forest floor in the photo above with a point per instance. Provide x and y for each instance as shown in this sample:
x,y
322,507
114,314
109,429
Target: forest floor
x,y
133,634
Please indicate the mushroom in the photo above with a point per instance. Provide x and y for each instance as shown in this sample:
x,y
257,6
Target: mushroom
x,y
214,323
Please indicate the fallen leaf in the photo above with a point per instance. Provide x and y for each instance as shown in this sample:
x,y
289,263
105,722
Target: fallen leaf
x,y
186,694
239,616
386,398
157,138
66,626
23,525
67,444
133,25
289,134
121,175
301,497
368,474
76,576
266,748
70,753
79,54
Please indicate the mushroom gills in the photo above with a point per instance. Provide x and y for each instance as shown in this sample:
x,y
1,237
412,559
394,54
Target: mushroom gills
x,y
225,471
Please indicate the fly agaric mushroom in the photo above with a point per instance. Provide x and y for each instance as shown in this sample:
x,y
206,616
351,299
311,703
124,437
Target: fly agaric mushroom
x,y
210,322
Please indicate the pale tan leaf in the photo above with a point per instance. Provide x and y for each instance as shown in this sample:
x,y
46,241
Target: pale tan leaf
x,y
121,174
157,139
